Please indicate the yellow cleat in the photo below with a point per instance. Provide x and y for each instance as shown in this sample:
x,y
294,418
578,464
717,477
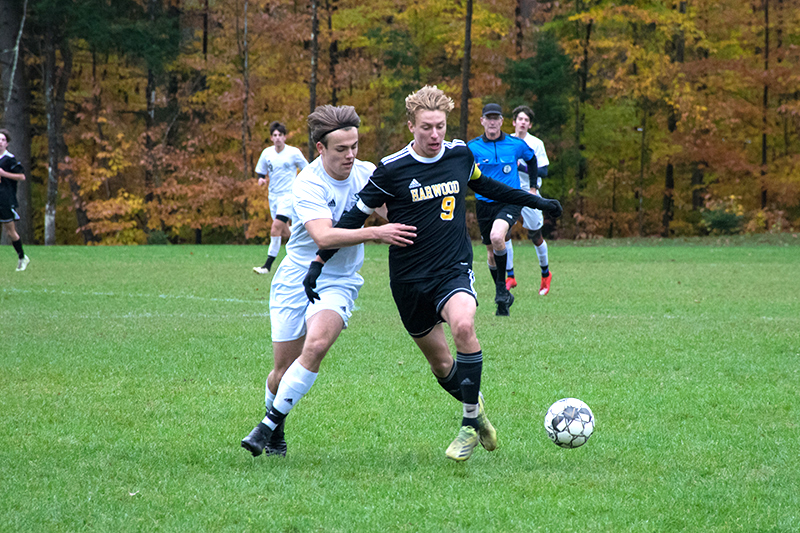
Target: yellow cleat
x,y
461,448
486,431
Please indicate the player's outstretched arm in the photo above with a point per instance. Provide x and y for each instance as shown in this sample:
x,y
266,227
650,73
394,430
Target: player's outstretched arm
x,y
348,232
503,193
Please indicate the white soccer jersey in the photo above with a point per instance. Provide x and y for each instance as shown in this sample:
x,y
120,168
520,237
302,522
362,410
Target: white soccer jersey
x,y
541,159
281,167
317,195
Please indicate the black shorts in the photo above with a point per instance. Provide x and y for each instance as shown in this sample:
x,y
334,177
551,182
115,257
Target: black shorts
x,y
7,213
488,212
420,303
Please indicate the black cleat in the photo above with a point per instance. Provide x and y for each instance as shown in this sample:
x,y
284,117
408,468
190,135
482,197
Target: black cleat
x,y
503,304
277,442
258,439
276,448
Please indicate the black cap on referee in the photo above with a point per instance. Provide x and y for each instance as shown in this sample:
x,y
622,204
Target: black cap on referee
x,y
492,109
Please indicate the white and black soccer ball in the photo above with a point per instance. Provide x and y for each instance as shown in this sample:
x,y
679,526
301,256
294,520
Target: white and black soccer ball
x,y
569,423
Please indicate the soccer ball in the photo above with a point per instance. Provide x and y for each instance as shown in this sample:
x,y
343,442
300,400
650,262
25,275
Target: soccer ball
x,y
569,423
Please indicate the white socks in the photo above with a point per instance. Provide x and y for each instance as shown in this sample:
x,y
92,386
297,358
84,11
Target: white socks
x,y
541,252
274,246
296,382
510,260
470,410
269,398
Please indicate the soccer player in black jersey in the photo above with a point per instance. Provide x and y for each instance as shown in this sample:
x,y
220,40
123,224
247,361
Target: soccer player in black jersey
x,y
424,185
11,172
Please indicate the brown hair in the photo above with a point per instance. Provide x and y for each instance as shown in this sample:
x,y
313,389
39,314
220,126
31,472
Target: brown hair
x,y
327,119
276,126
429,98
7,133
522,109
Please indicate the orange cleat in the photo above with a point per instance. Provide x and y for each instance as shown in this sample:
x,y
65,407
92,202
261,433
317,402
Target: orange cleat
x,y
545,286
511,282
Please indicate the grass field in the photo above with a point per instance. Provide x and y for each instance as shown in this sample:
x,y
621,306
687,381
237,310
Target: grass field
x,y
128,376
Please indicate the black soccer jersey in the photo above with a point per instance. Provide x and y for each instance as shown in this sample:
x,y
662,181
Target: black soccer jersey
x,y
8,187
428,193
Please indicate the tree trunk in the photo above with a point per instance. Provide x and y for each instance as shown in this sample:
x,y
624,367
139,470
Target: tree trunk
x,y
333,53
698,185
613,202
16,108
465,73
518,28
245,110
667,205
77,200
765,109
698,166
55,89
246,91
642,165
312,85
580,101
53,132
149,120
205,29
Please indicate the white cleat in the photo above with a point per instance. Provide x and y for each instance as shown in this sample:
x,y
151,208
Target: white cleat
x,y
260,270
23,263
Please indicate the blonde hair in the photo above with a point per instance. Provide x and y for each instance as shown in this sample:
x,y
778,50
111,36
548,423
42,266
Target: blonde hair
x,y
327,119
429,98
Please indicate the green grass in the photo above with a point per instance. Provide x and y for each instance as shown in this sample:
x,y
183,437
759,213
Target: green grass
x,y
128,375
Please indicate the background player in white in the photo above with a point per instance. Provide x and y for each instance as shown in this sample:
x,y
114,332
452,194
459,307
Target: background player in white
x,y
303,332
532,219
277,168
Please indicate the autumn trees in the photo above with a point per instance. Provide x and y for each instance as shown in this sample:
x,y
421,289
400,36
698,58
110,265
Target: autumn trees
x,y
689,83
143,117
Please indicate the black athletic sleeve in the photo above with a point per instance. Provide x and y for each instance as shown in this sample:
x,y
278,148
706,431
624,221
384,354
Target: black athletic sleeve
x,y
353,219
531,163
501,192
527,154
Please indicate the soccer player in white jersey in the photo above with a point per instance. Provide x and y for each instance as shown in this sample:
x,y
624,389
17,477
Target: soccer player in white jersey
x,y
532,219
303,332
425,185
277,168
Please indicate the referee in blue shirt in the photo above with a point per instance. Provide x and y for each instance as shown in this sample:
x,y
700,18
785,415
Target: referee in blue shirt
x,y
496,155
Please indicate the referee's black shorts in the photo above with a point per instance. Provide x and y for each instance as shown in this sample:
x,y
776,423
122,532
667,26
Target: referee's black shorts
x,y
420,303
488,212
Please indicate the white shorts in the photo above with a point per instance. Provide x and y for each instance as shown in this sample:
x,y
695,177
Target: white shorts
x,y
281,205
532,219
289,308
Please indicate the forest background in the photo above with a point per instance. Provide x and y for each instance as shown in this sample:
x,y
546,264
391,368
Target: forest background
x,y
140,121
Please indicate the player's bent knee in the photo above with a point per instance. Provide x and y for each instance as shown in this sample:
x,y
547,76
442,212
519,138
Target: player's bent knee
x,y
463,331
441,366
535,236
499,241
